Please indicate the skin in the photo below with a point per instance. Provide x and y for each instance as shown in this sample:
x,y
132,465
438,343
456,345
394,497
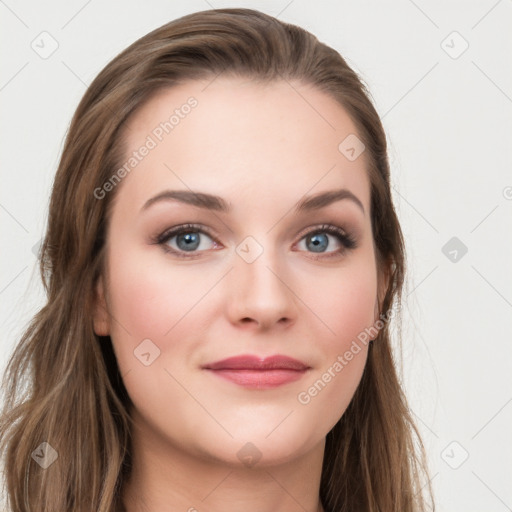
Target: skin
x,y
262,148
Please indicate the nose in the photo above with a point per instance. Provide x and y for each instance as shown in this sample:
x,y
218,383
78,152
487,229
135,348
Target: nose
x,y
260,294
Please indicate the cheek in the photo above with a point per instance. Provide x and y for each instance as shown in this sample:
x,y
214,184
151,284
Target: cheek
x,y
151,301
345,305
344,302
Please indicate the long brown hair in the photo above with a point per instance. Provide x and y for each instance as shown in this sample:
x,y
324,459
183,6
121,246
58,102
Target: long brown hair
x,y
62,384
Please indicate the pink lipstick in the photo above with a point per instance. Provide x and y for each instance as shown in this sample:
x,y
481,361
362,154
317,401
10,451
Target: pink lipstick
x,y
254,372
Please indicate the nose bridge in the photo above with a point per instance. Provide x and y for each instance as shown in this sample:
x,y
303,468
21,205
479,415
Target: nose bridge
x,y
258,285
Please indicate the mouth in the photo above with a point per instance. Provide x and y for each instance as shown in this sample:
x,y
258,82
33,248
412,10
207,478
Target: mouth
x,y
257,373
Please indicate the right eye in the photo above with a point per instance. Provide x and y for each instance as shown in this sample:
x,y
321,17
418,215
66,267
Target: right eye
x,y
184,239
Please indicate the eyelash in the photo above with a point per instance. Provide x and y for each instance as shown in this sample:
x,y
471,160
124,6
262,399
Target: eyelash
x,y
346,240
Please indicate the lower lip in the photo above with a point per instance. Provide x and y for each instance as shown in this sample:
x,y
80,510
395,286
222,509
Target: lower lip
x,y
260,379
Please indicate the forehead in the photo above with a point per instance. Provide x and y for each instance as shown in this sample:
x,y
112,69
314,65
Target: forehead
x,y
241,139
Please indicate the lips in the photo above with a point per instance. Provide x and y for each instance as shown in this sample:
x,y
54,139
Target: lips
x,y
249,362
256,373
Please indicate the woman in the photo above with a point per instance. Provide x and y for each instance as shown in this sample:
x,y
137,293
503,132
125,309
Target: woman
x,y
222,262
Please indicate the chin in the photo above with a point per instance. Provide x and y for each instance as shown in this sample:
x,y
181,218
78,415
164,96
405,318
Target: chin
x,y
256,448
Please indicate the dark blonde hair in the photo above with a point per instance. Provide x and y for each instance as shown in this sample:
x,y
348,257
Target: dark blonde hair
x,y
62,383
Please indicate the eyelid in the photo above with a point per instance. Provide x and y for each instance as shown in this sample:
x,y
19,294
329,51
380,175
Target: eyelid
x,y
175,230
321,227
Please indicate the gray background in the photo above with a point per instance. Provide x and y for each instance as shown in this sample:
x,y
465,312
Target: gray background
x,y
447,112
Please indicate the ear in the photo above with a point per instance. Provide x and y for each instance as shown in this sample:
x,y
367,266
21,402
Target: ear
x,y
101,317
383,283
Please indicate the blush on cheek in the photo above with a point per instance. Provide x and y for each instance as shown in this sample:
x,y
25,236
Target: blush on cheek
x,y
148,301
346,310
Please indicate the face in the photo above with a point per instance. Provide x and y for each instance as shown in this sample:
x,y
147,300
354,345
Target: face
x,y
255,274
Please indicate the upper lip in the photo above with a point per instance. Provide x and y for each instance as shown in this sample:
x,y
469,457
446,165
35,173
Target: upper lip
x,y
250,362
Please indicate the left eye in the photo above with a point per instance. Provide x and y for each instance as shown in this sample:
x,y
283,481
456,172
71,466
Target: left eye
x,y
318,239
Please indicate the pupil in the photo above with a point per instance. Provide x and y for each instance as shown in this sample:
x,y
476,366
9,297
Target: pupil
x,y
191,241
319,242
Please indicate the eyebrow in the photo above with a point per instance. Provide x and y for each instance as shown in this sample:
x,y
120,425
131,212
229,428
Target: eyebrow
x,y
216,203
